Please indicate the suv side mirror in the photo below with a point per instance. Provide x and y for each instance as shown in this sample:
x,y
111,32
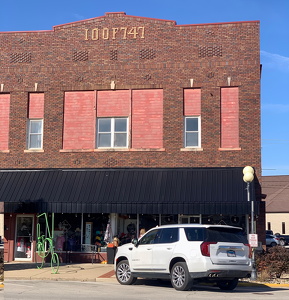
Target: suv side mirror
x,y
134,241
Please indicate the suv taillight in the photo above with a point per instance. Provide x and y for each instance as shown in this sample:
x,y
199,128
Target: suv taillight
x,y
250,250
205,248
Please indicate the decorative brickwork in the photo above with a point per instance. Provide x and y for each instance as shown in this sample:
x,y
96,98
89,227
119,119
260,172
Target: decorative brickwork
x,y
147,54
80,56
20,57
113,54
147,77
111,162
209,51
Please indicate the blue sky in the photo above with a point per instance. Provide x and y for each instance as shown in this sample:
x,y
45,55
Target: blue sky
x,y
20,15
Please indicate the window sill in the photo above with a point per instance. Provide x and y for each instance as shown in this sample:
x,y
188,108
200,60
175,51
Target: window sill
x,y
113,150
147,149
76,150
229,149
192,149
4,151
34,150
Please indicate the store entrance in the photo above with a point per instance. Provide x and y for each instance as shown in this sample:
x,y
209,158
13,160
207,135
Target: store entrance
x,y
24,237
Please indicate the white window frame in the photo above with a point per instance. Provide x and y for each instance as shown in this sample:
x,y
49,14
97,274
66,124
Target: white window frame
x,y
30,134
199,131
112,132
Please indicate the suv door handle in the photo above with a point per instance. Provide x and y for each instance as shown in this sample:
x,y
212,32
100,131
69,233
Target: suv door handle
x,y
169,248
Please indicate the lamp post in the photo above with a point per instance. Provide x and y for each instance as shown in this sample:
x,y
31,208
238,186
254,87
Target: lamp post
x,y
249,177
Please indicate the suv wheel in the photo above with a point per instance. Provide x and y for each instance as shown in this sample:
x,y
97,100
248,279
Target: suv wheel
x,y
123,273
180,277
228,284
282,243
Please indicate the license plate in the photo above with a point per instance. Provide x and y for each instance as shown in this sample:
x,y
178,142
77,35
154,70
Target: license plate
x,y
231,253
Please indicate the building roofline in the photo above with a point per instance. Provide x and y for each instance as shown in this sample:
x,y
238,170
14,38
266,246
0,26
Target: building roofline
x,y
130,16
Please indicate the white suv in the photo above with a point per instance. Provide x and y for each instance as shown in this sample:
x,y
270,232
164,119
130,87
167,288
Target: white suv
x,y
186,253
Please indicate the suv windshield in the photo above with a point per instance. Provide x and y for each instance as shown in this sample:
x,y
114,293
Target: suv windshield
x,y
216,234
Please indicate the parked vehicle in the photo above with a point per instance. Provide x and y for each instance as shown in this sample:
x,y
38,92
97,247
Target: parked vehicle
x,y
186,253
283,239
272,240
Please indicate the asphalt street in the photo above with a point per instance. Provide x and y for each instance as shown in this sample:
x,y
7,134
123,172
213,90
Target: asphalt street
x,y
109,289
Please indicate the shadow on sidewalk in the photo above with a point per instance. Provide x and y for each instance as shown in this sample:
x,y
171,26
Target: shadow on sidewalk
x,y
13,266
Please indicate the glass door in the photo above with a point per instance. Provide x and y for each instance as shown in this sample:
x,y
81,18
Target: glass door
x,y
24,237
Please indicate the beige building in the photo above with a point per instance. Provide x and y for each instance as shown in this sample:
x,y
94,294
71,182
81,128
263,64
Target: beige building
x,y
277,203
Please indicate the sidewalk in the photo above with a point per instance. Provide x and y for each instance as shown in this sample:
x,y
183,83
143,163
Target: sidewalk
x,y
82,272
69,272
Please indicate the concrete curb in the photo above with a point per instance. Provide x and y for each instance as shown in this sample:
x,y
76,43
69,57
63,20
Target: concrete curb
x,y
260,284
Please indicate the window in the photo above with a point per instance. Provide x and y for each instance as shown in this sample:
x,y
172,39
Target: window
x,y
216,234
112,133
149,238
168,235
192,132
35,133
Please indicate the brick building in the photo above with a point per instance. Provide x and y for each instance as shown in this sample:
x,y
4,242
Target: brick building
x,y
129,121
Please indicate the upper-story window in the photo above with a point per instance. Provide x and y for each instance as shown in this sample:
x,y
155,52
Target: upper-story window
x,y
112,133
192,132
35,134
35,121
192,118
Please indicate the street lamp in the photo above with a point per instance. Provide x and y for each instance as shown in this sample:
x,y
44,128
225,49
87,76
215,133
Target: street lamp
x,y
249,177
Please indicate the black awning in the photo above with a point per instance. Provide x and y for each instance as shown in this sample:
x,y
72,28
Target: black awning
x,y
146,191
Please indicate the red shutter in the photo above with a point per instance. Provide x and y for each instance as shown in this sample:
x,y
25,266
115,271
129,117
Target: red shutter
x,y
147,118
113,103
192,102
230,117
36,106
4,120
79,120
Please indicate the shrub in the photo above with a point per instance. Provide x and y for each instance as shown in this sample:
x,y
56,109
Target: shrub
x,y
275,262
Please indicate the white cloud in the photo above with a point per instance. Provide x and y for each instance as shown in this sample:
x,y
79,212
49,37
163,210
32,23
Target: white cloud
x,y
276,108
78,17
275,61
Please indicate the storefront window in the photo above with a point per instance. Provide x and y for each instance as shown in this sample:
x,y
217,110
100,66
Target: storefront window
x,y
94,226
71,231
169,219
148,221
67,232
232,220
127,228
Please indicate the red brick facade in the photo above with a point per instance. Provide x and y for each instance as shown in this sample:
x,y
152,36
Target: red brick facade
x,y
123,52
151,71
